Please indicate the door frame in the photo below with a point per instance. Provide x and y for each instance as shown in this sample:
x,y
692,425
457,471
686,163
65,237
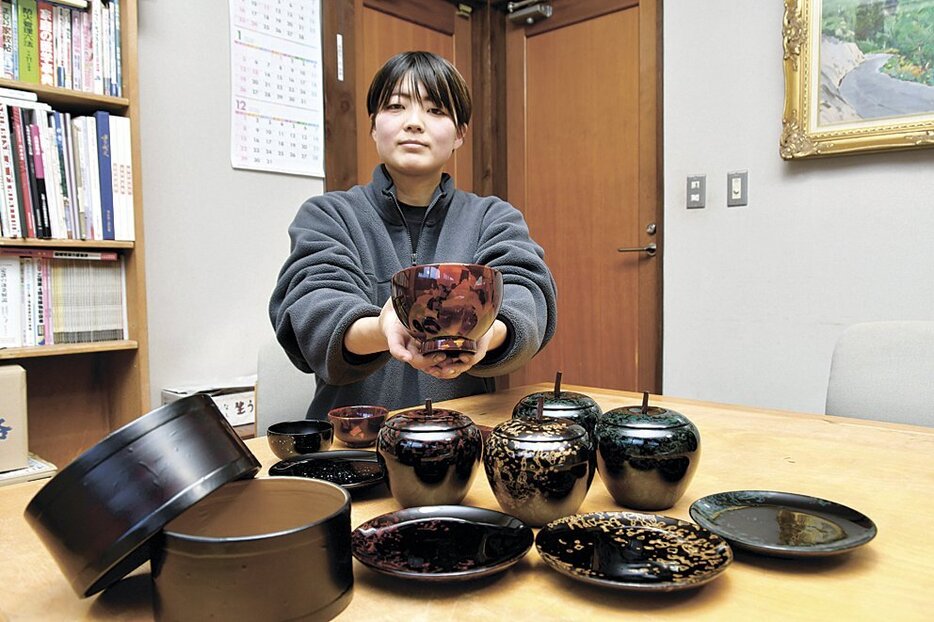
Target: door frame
x,y
567,12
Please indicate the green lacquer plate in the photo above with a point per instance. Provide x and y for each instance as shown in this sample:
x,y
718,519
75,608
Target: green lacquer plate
x,y
631,551
783,524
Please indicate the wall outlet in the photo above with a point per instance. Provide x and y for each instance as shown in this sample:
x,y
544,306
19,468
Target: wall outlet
x,y
696,191
737,188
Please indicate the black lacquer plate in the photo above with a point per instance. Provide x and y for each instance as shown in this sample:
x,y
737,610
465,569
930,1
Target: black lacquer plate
x,y
630,551
783,524
441,542
353,469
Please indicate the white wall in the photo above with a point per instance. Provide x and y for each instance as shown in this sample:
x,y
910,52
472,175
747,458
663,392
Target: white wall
x,y
756,296
215,237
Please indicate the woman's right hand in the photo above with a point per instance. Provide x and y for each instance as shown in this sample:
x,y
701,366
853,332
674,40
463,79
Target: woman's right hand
x,y
403,347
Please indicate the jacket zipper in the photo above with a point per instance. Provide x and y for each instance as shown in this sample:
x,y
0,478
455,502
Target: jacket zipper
x,y
414,244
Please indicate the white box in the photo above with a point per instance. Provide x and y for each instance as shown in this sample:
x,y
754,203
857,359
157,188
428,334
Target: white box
x,y
14,433
236,398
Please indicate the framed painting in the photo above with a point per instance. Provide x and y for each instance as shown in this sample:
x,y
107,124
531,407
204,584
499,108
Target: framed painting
x,y
859,76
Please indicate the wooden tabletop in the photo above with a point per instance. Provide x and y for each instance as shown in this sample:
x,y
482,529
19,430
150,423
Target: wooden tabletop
x,y
883,470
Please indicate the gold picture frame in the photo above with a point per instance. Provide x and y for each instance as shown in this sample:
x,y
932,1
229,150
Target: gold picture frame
x,y
818,120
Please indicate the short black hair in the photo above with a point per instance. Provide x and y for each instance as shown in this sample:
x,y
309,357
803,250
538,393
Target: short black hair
x,y
445,86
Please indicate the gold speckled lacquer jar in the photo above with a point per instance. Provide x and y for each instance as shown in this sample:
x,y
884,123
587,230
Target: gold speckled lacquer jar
x,y
539,470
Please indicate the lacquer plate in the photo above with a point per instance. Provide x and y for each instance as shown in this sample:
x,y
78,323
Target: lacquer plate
x,y
353,469
630,551
783,524
441,542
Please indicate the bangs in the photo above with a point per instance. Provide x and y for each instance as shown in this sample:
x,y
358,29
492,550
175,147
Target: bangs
x,y
441,82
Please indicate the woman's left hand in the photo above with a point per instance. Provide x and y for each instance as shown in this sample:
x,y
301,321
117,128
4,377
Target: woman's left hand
x,y
452,367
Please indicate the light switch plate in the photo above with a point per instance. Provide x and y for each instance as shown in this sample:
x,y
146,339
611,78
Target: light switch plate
x,y
737,188
696,191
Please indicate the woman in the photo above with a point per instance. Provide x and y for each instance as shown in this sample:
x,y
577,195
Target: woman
x,y
331,306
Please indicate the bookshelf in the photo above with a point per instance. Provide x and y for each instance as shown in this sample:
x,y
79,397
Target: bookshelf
x,y
78,393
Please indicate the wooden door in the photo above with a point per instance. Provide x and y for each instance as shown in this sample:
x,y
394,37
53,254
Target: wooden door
x,y
582,166
385,28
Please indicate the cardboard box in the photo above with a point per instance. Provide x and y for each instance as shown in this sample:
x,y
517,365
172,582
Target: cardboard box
x,y
236,398
14,434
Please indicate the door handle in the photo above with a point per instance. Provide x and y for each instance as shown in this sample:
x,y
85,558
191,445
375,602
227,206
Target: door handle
x,y
649,249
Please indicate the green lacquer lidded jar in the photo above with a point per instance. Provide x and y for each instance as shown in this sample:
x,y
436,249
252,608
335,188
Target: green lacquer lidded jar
x,y
646,455
569,405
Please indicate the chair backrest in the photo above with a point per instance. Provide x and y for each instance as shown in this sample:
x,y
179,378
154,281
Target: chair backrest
x,y
884,371
283,392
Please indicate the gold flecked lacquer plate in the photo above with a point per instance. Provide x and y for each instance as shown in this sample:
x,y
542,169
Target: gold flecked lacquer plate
x,y
631,551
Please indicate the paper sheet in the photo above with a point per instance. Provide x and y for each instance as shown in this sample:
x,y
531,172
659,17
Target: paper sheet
x,y
277,101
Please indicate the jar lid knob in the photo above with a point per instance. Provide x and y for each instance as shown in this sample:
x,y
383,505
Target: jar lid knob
x,y
428,407
645,402
557,385
540,408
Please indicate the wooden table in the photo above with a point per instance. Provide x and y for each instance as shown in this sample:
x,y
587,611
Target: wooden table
x,y
883,470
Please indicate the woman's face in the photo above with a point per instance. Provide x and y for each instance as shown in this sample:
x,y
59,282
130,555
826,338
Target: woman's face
x,y
412,138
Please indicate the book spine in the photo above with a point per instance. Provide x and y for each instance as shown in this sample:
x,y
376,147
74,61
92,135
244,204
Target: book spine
x,y
40,306
96,42
53,180
11,328
34,146
28,289
77,50
102,119
11,200
28,41
46,44
14,17
79,159
93,178
22,164
118,47
9,39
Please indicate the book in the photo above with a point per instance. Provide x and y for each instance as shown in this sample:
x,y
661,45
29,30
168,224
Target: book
x,y
12,225
18,94
11,311
28,43
122,178
36,468
37,177
9,40
22,171
102,120
46,43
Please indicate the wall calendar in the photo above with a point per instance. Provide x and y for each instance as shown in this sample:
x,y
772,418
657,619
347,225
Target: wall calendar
x,y
276,79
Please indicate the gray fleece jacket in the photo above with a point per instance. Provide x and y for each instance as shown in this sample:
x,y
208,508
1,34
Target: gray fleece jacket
x,y
346,245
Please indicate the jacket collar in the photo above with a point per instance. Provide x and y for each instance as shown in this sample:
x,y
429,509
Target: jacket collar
x,y
382,192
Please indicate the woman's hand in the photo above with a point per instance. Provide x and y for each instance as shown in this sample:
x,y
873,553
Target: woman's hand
x,y
402,346
448,368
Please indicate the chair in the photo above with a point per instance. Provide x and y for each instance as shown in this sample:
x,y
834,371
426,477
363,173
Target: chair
x,y
283,392
884,371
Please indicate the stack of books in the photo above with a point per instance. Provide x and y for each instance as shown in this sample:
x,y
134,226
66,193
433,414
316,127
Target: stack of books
x,y
63,177
61,297
37,468
71,44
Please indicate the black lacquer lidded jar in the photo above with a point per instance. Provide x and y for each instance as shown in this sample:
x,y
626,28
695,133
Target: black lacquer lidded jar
x,y
431,455
539,469
646,455
575,407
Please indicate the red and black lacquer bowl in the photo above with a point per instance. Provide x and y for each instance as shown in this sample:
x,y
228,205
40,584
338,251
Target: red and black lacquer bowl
x,y
447,306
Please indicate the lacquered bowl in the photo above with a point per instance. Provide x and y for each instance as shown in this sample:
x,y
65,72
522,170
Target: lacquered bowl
x,y
357,426
447,306
275,548
294,438
98,516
